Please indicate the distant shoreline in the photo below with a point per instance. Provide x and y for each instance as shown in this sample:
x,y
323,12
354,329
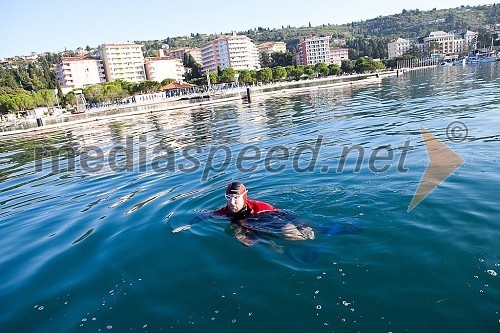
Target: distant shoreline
x,y
238,94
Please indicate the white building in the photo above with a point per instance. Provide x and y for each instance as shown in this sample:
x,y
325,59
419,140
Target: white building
x,y
123,61
233,51
314,50
161,68
338,54
77,72
270,48
437,43
193,51
470,40
317,49
397,47
444,43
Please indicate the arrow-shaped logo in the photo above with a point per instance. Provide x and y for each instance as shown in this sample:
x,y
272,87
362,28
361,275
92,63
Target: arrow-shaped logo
x,y
443,162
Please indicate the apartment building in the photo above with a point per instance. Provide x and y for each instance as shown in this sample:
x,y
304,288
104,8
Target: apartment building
x,y
123,61
470,40
317,49
444,43
314,50
338,54
270,48
226,51
161,68
436,43
193,51
398,47
78,72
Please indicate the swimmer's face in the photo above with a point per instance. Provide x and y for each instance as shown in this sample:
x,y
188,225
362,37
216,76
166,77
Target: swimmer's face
x,y
235,202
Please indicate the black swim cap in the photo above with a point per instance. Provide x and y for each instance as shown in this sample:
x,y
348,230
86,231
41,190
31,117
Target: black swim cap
x,y
235,188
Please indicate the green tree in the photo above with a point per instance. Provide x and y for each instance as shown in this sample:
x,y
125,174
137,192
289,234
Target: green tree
x,y
8,104
166,81
322,68
196,70
265,75
94,93
4,103
266,60
484,38
414,52
309,70
68,100
295,72
191,63
45,97
59,90
227,75
253,73
24,80
279,73
144,87
213,77
245,77
25,102
347,66
8,80
199,81
282,59
19,102
378,65
113,91
362,65
334,69
128,87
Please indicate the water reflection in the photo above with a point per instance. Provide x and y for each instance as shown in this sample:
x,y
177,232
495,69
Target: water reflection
x,y
90,238
326,110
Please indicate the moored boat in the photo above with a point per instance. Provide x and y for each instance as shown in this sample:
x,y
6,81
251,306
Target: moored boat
x,y
448,60
479,56
459,62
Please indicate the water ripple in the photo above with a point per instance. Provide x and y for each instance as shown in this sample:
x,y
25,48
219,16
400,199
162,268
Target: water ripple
x,y
79,245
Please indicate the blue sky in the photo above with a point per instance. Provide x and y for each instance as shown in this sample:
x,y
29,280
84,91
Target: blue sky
x,y
53,25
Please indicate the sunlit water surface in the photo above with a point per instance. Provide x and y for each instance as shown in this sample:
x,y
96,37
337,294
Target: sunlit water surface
x,y
93,250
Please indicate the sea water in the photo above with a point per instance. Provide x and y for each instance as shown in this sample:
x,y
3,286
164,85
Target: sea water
x,y
87,213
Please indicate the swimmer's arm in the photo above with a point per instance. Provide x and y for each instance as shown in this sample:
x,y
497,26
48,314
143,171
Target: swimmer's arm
x,y
244,236
292,232
196,219
295,228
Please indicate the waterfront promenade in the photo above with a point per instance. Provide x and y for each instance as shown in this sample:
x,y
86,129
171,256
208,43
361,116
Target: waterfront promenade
x,y
187,101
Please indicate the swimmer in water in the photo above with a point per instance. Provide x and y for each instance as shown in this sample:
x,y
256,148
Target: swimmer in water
x,y
239,208
242,209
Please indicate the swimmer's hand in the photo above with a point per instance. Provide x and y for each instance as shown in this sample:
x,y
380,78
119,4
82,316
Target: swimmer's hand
x,y
182,227
241,235
291,232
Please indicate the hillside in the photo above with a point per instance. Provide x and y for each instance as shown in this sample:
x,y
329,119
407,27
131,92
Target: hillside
x,y
408,23
416,23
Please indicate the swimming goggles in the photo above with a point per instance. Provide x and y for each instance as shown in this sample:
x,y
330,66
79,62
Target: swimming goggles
x,y
236,196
